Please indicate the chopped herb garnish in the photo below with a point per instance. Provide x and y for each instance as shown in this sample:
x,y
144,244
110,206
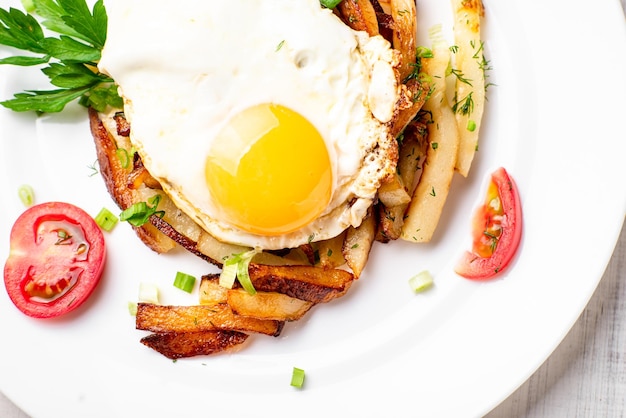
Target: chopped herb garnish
x,y
71,57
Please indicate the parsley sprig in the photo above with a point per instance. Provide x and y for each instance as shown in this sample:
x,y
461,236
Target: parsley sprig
x,y
70,58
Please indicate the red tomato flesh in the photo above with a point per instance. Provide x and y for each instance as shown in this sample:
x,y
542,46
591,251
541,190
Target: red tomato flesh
x,y
56,259
497,230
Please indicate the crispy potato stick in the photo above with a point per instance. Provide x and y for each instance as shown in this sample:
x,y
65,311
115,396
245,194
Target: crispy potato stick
x,y
330,254
413,96
267,305
431,193
308,283
392,191
412,155
405,31
359,15
166,318
115,167
358,243
211,293
470,83
175,345
262,305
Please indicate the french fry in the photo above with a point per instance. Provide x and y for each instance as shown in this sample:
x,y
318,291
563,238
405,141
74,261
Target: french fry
x,y
261,305
196,318
267,305
115,172
330,252
412,98
470,83
308,283
175,345
358,243
431,193
404,34
211,292
359,15
392,191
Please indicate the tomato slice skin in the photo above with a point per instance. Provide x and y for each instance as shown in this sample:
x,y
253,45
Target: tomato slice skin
x,y
56,259
478,264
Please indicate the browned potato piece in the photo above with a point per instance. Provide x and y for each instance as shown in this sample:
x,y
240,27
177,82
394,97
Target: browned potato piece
x,y
262,305
405,31
309,283
358,243
413,96
267,305
330,254
359,15
115,173
162,319
175,345
211,293
392,191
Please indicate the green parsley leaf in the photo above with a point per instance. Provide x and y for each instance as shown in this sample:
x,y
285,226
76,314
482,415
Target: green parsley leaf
x,y
72,55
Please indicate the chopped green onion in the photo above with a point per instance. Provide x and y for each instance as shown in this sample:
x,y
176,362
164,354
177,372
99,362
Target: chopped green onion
x,y
139,213
26,194
132,308
184,282
471,125
105,219
124,157
228,275
421,281
236,267
148,293
297,377
244,277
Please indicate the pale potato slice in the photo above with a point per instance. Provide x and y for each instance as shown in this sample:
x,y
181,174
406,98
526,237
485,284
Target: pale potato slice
x,y
358,243
470,84
432,190
267,305
330,252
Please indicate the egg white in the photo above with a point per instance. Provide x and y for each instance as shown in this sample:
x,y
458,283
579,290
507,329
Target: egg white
x,y
184,71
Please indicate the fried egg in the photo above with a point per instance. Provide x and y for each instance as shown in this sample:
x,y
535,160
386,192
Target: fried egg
x,y
267,122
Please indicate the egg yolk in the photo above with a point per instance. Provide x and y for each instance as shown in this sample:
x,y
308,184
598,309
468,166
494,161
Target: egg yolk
x,y
268,171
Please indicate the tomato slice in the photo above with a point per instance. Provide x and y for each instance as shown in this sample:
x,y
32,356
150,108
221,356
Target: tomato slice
x,y
56,259
497,230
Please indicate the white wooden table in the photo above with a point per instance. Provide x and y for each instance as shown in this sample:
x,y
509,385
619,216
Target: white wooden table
x,y
586,374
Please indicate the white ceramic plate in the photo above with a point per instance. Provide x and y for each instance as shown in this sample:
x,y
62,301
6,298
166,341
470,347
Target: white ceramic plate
x,y
555,121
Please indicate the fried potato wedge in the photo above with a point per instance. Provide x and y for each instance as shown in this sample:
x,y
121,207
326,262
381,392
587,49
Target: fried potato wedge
x,y
412,155
470,89
392,191
403,14
307,283
432,190
359,15
261,305
195,318
358,243
211,293
330,252
115,168
267,305
175,345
